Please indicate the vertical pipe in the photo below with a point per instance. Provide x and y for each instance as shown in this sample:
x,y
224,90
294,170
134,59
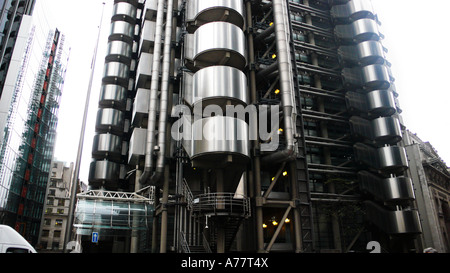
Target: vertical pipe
x,y
286,83
163,246
150,143
168,62
256,159
294,196
134,232
74,182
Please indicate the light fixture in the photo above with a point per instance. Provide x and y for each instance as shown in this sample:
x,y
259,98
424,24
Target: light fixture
x,y
274,221
273,178
274,56
264,226
280,130
284,173
287,220
277,91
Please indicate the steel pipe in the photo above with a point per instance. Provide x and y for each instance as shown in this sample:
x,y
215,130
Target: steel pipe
x,y
286,84
164,99
150,144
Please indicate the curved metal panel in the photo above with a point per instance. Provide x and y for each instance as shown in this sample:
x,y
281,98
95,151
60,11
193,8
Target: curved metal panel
x,y
214,137
103,172
124,11
364,30
113,96
386,189
353,10
107,145
381,103
370,52
394,222
387,130
110,120
375,77
359,31
392,158
217,85
121,30
205,11
119,51
217,43
115,72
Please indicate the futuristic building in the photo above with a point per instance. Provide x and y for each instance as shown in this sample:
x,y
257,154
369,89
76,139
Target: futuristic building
x,y
29,106
256,126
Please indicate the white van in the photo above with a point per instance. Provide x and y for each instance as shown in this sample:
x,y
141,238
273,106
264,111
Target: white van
x,y
12,242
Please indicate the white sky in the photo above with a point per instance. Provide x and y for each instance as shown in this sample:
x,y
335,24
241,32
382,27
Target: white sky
x,y
416,35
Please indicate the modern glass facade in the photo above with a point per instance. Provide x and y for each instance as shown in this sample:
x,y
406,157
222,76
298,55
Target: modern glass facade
x,y
29,108
11,13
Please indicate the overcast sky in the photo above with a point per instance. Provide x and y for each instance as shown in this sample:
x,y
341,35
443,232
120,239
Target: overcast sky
x,y
416,35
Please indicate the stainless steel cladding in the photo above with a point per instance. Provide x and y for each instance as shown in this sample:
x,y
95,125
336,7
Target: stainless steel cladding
x,y
352,10
144,71
214,137
387,130
121,30
381,103
110,120
365,53
147,36
104,173
137,146
394,222
124,11
107,145
393,158
140,108
359,31
113,96
199,12
119,51
386,189
115,72
376,77
216,43
217,85
390,159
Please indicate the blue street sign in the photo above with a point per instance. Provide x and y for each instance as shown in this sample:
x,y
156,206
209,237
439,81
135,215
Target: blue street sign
x,y
95,237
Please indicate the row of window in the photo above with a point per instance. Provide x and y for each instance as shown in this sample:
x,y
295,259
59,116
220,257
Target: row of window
x,y
57,223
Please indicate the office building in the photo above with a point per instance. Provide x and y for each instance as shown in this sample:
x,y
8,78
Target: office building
x,y
248,126
431,178
29,107
56,208
10,20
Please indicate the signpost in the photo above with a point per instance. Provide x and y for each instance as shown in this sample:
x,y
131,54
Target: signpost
x,y
95,237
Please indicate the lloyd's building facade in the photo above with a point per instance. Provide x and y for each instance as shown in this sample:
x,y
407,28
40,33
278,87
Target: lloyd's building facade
x,y
311,160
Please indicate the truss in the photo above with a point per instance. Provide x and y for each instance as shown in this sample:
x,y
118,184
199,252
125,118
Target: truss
x,y
117,196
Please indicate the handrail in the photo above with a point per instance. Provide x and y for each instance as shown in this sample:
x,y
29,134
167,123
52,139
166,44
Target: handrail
x,y
222,202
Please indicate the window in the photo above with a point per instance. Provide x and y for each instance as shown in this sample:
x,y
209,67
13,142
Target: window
x,y
58,222
45,233
60,211
16,250
61,202
57,234
47,221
